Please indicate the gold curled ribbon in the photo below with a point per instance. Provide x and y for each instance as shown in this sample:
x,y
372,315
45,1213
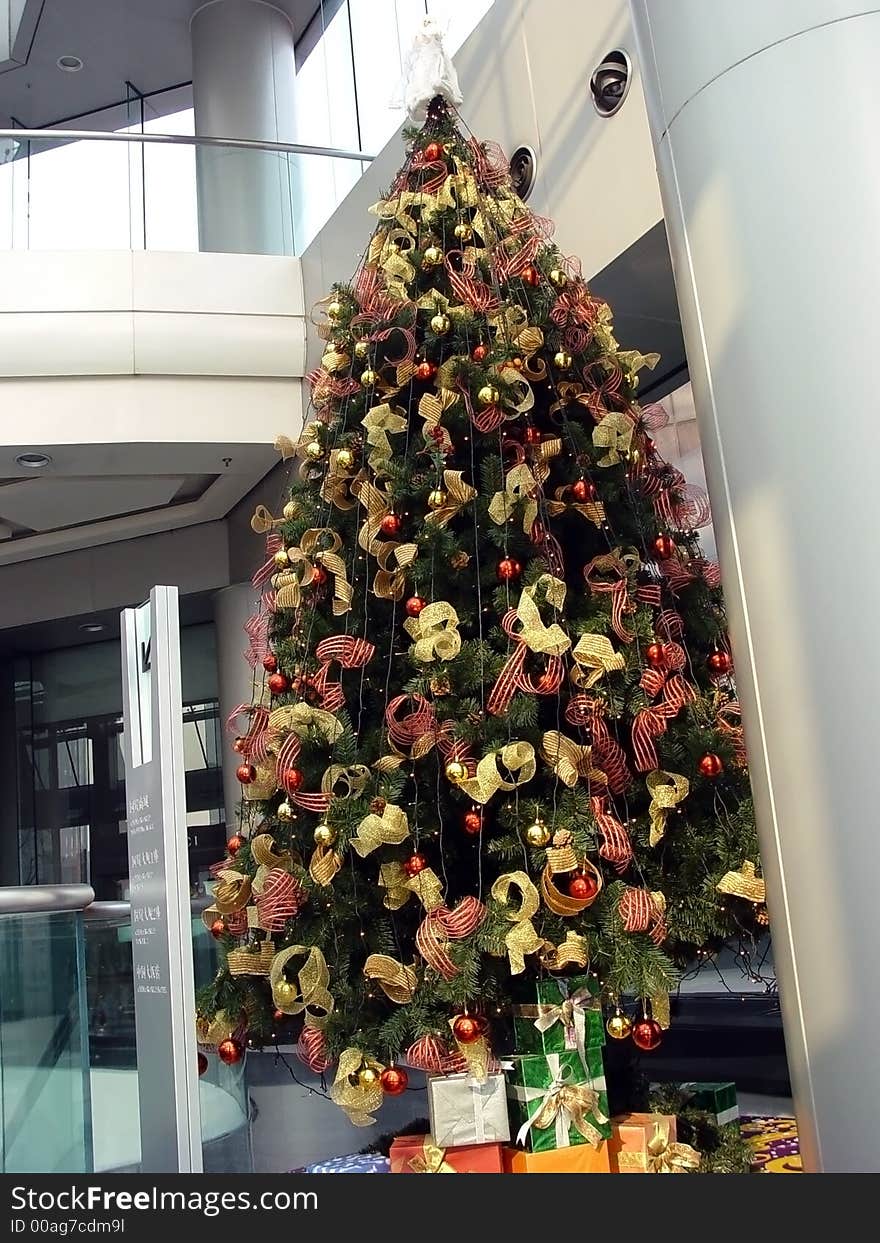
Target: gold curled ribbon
x,y
381,421
595,656
458,494
389,829
517,759
744,883
427,888
315,547
356,1099
313,978
336,485
263,785
323,865
570,760
300,718
593,511
345,780
263,852
666,1158
397,982
232,892
262,521
522,938
572,951
394,560
432,407
214,1031
251,962
395,882
520,486
549,640
667,790
431,1160
435,632
614,434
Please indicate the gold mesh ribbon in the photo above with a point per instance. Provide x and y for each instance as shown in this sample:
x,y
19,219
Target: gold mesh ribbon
x,y
427,888
522,938
458,494
667,790
549,640
570,952
381,421
660,1009
431,1160
232,892
302,718
744,883
336,485
666,1158
315,547
518,761
345,780
313,994
389,829
594,656
248,962
593,511
613,434
395,882
323,865
262,521
570,760
435,632
520,485
476,1054
356,1099
397,982
432,407
214,1031
263,785
263,852
562,859
393,557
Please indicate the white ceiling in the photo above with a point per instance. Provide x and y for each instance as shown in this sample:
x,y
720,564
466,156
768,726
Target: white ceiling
x,y
46,504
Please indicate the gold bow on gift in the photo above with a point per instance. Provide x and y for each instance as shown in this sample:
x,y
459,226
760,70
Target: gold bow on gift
x,y
379,422
614,434
458,493
389,829
517,758
357,1099
595,656
666,1158
569,760
431,1160
522,938
667,790
397,982
573,1102
311,992
435,631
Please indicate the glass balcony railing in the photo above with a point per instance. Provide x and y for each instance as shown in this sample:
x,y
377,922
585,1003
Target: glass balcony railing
x,y
45,1085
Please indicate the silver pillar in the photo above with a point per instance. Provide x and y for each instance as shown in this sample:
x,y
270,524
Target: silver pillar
x,y
232,607
762,116
243,75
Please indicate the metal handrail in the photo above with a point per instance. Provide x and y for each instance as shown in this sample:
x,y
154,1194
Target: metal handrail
x,y
31,899
120,911
186,140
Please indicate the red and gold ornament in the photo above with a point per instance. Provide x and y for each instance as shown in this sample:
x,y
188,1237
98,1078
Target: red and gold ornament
x,y
415,864
238,746
583,886
531,275
414,605
235,844
509,569
292,778
426,370
319,576
245,773
647,1034
479,352
270,662
218,929
719,663
583,490
390,525
711,765
278,683
230,1051
466,1028
394,1081
472,821
655,655
433,151
664,547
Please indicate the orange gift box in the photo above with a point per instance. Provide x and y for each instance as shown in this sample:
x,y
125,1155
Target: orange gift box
x,y
630,1136
418,1154
578,1159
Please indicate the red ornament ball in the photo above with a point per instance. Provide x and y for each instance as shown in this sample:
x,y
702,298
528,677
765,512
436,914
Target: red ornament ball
x,y
655,655
394,1081
278,683
583,490
711,765
218,929
245,773
292,779
472,821
235,844
466,1028
202,1063
433,151
531,275
390,525
238,746
230,1052
270,662
509,569
479,352
664,547
414,606
719,663
426,370
647,1034
319,576
582,886
415,864
532,436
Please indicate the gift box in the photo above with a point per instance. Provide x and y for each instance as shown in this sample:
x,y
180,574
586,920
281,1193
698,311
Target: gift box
x,y
581,1159
420,1154
717,1099
565,1015
646,1144
556,1102
357,1163
464,1111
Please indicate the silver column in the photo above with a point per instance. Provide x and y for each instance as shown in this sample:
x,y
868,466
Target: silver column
x,y
763,118
243,72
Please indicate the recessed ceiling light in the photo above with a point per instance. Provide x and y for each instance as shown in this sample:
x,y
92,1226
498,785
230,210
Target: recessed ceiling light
x,y
92,628
33,461
69,64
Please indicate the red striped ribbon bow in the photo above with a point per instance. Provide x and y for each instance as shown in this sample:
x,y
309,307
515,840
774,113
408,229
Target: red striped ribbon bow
x,y
616,584
474,293
616,846
350,653
513,676
274,543
609,755
642,911
490,165
311,1049
285,767
650,723
488,419
729,722
441,926
257,630
281,898
253,747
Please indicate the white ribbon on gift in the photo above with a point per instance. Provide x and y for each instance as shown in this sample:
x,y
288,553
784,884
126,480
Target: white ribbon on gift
x,y
563,1120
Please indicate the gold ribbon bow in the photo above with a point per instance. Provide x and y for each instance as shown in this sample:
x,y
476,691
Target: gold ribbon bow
x,y
329,558
518,760
574,1101
667,790
232,891
356,1099
572,951
431,1160
323,865
549,640
300,718
522,938
595,656
458,493
312,992
435,631
395,882
336,484
393,557
215,1030
593,511
397,982
389,829
614,434
569,760
263,852
666,1158
379,422
432,407
262,521
744,883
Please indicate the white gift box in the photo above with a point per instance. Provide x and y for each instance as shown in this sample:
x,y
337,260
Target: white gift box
x,y
463,1111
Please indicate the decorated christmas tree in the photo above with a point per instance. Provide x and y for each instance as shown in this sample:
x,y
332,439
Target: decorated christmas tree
x,y
494,736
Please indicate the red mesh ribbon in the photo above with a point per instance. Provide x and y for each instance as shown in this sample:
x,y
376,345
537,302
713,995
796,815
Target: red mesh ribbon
x,y
513,676
641,912
257,630
427,1053
282,898
274,543
254,742
729,722
604,388
616,847
650,723
490,164
441,926
311,1049
617,586
324,385
609,755
474,293
351,653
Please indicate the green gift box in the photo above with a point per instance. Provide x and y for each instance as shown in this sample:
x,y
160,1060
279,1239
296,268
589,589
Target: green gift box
x,y
556,1102
717,1099
565,1015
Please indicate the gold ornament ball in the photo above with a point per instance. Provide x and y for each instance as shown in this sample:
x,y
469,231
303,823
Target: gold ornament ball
x,y
290,510
562,359
368,377
335,310
324,835
440,324
456,772
281,559
432,257
557,278
361,349
537,835
437,498
464,232
488,395
619,1026
345,458
314,450
368,1077
284,993
284,812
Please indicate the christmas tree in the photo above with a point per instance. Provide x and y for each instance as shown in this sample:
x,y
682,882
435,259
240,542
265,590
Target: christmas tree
x,y
494,733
